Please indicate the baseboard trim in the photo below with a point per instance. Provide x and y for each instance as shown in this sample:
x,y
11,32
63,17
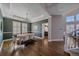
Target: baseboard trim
x,y
55,40
38,37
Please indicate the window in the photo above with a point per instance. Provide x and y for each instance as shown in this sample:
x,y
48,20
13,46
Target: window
x,y
70,24
24,27
69,18
72,20
77,27
77,17
16,27
70,28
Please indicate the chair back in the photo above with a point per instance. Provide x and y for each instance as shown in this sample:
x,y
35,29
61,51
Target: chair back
x,y
7,47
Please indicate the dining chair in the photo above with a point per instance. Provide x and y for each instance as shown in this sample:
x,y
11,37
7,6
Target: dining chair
x,y
7,47
19,41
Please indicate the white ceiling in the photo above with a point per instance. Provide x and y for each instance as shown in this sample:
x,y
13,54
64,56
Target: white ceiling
x,y
33,12
62,8
36,11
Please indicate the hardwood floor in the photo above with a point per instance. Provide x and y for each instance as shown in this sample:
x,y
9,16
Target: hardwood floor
x,y
58,47
40,48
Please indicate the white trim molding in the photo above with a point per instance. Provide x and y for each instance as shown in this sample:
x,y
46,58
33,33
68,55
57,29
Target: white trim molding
x,y
55,40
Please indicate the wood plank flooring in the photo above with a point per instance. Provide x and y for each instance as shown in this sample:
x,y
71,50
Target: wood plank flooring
x,y
40,48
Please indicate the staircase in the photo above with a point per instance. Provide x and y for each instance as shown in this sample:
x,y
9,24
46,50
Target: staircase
x,y
71,44
73,52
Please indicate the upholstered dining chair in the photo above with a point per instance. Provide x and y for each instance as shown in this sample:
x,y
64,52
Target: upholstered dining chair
x,y
19,41
7,47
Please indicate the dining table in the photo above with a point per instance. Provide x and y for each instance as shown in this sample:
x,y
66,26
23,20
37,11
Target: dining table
x,y
24,35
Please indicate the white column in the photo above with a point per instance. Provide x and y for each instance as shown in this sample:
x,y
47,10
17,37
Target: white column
x,y
49,28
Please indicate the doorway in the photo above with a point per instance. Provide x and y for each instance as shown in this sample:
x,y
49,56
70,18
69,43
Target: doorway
x,y
45,30
45,34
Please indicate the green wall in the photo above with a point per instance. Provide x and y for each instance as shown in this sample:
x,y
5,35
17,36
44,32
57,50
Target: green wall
x,y
8,27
